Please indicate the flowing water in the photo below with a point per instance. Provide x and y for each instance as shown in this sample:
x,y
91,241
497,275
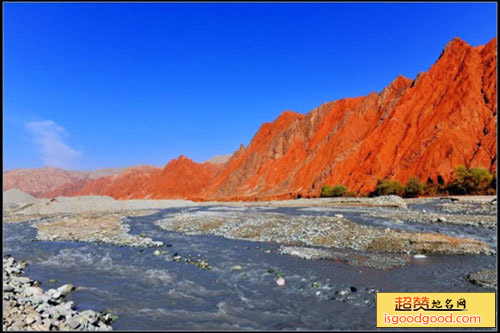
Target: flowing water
x,y
154,292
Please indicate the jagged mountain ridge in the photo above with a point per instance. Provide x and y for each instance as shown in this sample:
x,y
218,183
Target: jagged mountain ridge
x,y
423,127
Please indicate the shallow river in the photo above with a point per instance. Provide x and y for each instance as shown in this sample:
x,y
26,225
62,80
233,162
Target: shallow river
x,y
153,292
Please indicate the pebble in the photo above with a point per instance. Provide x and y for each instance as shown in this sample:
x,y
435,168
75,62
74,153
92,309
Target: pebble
x,y
34,291
65,289
30,320
419,256
73,323
8,288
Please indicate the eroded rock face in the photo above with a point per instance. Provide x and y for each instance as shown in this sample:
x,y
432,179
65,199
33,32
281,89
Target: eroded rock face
x,y
426,127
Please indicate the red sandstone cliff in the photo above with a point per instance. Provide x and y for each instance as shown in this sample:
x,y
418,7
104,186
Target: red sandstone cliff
x,y
425,127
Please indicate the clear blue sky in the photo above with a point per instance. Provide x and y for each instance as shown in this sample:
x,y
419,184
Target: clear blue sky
x,y
120,84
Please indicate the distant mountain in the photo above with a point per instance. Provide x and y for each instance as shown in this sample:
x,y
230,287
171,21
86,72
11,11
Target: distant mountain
x,y
219,159
127,184
43,181
424,127
37,182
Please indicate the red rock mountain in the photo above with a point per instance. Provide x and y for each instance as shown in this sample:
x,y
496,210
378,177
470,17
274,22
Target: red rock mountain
x,y
40,181
424,127
129,184
181,178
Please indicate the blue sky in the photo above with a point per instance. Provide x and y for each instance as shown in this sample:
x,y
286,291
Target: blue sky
x,y
91,85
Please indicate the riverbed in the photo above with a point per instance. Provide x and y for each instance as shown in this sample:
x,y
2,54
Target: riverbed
x,y
147,289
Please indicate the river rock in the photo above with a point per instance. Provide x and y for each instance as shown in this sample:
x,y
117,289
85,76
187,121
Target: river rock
x,y
30,320
485,278
73,323
65,289
8,288
34,291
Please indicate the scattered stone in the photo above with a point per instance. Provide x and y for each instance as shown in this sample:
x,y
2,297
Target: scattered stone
x,y
343,292
371,260
28,307
196,262
323,231
486,278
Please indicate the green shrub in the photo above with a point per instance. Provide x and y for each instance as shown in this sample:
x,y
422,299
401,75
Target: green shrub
x,y
388,187
333,191
470,181
414,187
481,178
326,191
